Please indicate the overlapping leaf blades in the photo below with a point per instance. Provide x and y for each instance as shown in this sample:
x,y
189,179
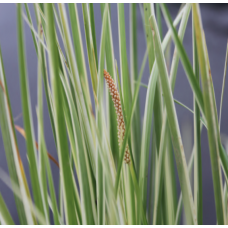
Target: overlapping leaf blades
x,y
104,190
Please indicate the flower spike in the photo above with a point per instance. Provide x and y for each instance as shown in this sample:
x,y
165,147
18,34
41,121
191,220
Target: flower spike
x,y
120,120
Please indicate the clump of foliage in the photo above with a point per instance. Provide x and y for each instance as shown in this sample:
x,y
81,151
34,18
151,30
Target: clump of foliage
x,y
109,190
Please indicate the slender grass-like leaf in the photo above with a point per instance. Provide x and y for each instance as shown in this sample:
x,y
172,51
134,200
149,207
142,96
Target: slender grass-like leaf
x,y
170,190
40,148
198,191
58,22
140,210
93,30
99,169
60,123
147,14
124,72
79,51
126,93
88,206
4,213
42,169
190,110
159,174
78,89
15,166
129,119
164,133
79,153
136,127
126,183
30,20
47,89
224,159
223,86
15,189
127,131
81,162
158,16
181,104
111,114
90,47
27,117
184,59
43,149
33,30
149,10
180,202
225,197
157,110
70,115
148,113
211,115
173,124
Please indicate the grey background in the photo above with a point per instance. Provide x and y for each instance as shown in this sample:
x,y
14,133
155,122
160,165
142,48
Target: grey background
x,y
215,23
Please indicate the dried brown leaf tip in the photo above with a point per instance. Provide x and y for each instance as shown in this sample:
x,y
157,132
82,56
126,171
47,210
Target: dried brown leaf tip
x,y
120,120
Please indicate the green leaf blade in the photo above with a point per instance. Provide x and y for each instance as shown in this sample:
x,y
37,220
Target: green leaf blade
x,y
173,124
27,117
211,115
62,144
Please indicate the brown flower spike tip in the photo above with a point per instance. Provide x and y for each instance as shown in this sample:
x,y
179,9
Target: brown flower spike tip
x,y
116,100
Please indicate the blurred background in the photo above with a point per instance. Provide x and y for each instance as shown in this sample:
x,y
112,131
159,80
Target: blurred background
x,y
215,24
